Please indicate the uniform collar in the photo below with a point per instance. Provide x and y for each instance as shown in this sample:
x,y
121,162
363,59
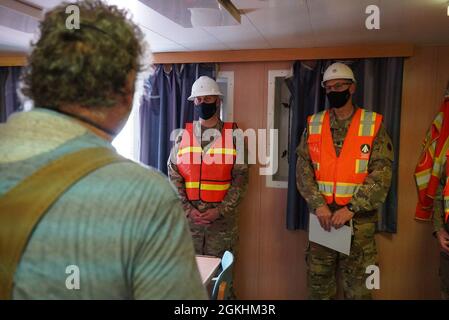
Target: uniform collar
x,y
338,123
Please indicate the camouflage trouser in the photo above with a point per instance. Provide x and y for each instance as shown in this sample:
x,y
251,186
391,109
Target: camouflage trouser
x,y
216,238
444,275
323,264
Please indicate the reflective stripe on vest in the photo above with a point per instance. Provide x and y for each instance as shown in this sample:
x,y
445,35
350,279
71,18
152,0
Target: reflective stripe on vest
x,y
189,150
316,123
206,186
210,151
367,123
422,179
338,178
207,175
430,166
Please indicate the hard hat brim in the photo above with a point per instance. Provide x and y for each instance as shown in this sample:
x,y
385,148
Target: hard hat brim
x,y
322,82
192,97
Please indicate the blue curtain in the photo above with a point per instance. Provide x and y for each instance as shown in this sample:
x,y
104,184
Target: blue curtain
x,y
9,100
379,88
164,108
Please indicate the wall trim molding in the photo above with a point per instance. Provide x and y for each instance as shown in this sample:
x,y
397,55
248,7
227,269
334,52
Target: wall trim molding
x,y
12,59
288,54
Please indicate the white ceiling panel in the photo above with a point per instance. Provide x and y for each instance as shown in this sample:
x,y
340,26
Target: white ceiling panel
x,y
163,44
189,38
338,22
244,36
285,25
14,40
46,4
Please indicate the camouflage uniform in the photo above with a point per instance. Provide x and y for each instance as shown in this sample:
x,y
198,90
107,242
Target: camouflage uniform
x,y
322,261
438,223
222,234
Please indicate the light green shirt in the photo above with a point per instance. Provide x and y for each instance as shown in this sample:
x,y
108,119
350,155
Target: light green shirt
x,y
122,226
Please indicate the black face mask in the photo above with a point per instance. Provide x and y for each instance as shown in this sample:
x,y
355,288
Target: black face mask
x,y
206,110
338,99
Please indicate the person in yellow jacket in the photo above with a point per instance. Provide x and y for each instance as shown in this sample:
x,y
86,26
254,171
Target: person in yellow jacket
x,y
344,171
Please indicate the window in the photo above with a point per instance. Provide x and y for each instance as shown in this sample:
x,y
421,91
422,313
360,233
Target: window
x,y
127,141
225,81
278,118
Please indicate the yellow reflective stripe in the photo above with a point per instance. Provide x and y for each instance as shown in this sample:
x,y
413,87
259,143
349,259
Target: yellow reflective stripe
x,y
422,178
367,123
316,123
437,166
189,150
361,166
222,151
215,187
345,189
362,118
326,188
423,173
439,161
347,184
207,186
192,184
432,149
438,122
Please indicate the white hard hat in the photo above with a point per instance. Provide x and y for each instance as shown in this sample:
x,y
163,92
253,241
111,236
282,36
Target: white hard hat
x,y
338,70
204,86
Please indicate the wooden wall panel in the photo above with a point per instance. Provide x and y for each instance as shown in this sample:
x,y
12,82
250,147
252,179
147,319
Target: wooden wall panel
x,y
246,105
409,259
271,260
12,59
282,251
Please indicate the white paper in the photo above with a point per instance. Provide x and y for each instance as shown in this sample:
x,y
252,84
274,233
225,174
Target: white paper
x,y
337,239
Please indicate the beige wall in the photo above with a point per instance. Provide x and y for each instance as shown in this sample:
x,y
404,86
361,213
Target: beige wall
x,y
271,258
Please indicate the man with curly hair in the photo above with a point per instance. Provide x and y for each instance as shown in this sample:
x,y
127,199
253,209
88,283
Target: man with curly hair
x,y
77,221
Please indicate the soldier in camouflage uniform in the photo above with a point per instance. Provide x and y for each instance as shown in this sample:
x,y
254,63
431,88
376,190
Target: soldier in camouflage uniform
x,y
214,226
323,262
442,234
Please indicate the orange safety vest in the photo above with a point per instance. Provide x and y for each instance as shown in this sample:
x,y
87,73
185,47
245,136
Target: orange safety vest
x,y
431,162
446,191
208,175
338,178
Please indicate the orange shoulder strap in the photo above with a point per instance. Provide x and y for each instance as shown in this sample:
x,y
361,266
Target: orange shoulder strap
x,y
22,207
